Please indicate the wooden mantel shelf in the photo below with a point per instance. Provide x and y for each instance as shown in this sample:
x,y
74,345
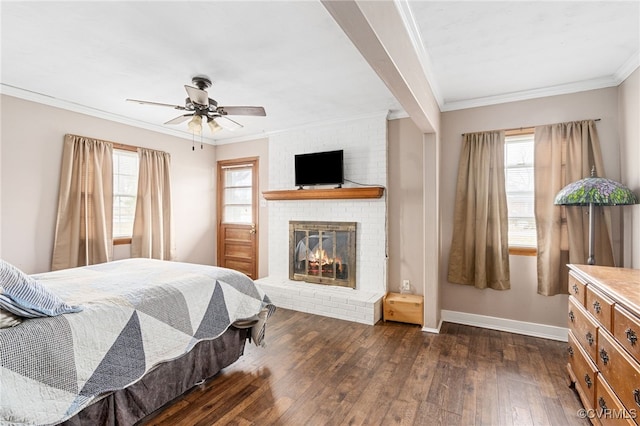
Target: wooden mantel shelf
x,y
325,194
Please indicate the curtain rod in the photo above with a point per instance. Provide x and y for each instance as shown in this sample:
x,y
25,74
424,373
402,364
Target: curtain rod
x,y
117,145
522,128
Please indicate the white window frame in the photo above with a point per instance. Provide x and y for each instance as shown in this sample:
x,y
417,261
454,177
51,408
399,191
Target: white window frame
x,y
511,137
248,206
124,151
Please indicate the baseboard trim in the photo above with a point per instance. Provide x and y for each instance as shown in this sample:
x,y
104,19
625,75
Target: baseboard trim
x,y
503,324
433,330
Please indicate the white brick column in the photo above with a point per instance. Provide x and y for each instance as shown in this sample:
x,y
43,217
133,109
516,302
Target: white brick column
x,y
364,142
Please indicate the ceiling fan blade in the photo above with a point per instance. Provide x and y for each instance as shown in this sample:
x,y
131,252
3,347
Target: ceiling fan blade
x,y
227,123
242,110
197,96
155,103
179,119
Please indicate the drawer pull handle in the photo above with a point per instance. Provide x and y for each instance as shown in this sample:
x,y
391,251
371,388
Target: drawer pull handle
x,y
631,336
636,396
604,356
587,380
570,350
575,288
589,337
596,307
602,403
572,317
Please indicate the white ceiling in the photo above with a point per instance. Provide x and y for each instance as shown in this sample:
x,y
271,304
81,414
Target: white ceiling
x,y
489,52
292,58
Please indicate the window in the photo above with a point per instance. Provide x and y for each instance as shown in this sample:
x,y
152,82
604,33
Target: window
x,y
519,185
238,197
125,190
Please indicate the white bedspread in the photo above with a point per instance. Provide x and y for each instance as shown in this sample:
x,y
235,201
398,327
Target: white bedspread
x,y
137,313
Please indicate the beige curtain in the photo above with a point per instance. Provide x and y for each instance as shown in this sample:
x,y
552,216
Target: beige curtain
x,y
479,248
565,153
83,234
153,223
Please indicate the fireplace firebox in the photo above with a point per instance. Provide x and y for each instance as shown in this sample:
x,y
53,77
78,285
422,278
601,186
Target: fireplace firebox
x,y
323,252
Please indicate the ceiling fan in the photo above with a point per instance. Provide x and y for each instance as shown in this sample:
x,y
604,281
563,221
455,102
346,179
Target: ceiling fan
x,y
201,108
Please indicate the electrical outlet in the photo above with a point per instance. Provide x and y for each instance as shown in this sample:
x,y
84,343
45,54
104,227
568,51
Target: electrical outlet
x,y
406,287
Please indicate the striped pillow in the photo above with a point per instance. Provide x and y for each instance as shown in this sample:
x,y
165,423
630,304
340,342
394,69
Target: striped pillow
x,y
24,296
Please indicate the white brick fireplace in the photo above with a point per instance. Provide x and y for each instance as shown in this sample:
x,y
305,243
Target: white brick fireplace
x,y
364,142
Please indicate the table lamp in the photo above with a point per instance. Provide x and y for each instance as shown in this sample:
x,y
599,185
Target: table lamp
x,y
594,191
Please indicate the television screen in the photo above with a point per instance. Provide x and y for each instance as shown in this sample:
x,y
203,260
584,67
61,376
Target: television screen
x,y
319,168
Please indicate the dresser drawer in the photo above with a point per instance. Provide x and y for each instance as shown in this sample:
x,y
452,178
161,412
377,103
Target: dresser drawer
x,y
584,328
600,306
577,288
620,371
626,329
609,408
610,298
584,370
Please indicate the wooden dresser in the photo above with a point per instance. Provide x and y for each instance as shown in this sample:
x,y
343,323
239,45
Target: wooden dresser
x,y
604,351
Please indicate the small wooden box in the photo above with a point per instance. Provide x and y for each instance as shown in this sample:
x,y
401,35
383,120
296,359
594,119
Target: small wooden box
x,y
407,308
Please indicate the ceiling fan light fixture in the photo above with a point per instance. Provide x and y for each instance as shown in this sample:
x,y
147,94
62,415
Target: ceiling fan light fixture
x,y
195,125
200,107
215,127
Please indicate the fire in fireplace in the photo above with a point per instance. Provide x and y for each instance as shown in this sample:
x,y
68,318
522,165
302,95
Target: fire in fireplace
x,y
323,252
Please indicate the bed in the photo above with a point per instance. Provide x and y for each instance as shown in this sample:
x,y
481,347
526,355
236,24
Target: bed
x,y
136,334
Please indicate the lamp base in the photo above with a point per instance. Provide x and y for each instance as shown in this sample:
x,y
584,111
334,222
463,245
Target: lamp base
x,y
591,260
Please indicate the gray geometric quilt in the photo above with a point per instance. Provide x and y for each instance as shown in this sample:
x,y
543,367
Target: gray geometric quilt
x,y
136,314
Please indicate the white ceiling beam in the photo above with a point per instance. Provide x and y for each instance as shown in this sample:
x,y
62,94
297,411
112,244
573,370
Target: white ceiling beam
x,y
377,30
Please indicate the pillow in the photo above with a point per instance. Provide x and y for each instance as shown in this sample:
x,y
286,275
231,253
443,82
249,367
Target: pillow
x,y
24,296
7,319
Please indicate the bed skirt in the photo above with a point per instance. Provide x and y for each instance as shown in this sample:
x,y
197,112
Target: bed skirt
x,y
164,383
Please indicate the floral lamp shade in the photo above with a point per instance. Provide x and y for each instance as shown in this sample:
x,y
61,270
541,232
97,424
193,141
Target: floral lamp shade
x,y
595,190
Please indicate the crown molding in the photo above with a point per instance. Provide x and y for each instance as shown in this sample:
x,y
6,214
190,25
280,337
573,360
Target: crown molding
x,y
564,89
394,115
406,14
628,67
82,109
40,98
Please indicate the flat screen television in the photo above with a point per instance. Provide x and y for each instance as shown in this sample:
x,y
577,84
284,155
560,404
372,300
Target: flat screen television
x,y
319,168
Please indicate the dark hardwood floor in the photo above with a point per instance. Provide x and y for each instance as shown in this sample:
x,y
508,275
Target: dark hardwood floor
x,y
323,371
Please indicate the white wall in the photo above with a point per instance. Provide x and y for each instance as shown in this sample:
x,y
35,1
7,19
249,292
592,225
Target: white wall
x,y
521,302
31,144
629,106
406,205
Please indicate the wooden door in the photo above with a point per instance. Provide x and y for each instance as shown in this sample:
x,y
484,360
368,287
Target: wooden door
x,y
238,216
